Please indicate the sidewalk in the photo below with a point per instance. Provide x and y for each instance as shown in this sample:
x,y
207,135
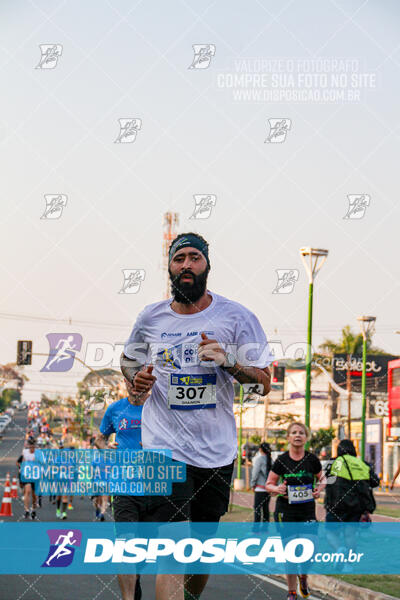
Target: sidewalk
x,y
246,500
332,586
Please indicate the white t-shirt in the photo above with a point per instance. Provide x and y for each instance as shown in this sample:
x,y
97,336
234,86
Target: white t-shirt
x,y
199,435
27,455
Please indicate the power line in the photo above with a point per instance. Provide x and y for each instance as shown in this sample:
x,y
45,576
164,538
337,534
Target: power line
x,y
384,329
70,321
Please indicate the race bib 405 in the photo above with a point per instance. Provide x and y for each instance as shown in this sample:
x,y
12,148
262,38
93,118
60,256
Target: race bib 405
x,y
300,493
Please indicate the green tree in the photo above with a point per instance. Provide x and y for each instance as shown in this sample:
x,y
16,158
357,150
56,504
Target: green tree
x,y
321,438
8,396
255,439
281,421
349,343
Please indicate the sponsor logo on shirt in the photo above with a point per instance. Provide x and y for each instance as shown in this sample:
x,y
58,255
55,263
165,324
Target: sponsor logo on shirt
x,y
190,355
208,333
126,424
170,357
166,334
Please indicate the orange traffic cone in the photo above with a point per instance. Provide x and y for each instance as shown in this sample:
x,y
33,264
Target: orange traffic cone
x,y
14,488
6,509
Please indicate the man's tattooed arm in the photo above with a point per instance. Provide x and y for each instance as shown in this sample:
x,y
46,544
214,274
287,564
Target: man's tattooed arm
x,y
251,375
129,367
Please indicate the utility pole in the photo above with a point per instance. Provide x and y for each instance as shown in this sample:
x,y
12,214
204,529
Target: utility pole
x,y
310,257
348,388
171,221
367,324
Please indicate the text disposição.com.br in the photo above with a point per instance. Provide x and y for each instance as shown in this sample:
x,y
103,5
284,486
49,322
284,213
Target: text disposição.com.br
x,y
338,557
212,551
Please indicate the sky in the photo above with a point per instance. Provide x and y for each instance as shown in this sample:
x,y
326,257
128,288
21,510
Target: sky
x,y
334,67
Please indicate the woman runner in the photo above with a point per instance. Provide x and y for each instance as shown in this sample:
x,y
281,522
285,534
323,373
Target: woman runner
x,y
292,477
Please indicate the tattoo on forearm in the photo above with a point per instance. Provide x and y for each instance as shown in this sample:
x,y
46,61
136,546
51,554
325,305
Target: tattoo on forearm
x,y
129,368
250,375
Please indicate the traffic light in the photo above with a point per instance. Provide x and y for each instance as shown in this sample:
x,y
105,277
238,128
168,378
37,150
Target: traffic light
x,y
24,352
278,373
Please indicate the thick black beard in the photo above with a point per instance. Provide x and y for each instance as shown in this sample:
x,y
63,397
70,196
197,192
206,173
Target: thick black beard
x,y
186,293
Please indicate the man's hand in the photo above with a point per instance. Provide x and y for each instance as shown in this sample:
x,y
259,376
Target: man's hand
x,y
144,380
316,493
112,445
210,350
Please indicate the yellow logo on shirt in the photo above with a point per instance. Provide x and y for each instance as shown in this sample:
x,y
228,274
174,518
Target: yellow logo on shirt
x,y
168,358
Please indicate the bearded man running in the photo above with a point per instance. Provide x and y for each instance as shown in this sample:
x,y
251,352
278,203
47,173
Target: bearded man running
x,y
199,343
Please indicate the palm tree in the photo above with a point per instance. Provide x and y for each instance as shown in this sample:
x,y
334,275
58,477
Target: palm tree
x,y
350,343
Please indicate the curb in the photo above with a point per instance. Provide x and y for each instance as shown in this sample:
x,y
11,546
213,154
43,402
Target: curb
x,y
341,589
335,587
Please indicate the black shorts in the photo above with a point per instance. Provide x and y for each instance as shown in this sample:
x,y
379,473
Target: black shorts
x,y
31,483
203,497
131,508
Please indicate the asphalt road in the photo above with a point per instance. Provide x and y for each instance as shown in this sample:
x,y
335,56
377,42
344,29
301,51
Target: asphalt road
x,y
101,587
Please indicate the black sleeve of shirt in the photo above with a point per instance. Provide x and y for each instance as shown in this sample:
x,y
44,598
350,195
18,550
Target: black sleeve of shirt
x,y
278,467
20,459
317,467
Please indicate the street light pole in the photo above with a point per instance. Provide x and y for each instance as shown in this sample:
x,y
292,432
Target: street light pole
x,y
310,257
309,355
367,327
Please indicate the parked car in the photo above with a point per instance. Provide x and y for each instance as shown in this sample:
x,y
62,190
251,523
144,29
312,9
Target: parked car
x,y
4,421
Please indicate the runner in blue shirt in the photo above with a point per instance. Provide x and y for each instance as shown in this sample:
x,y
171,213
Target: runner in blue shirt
x,y
124,418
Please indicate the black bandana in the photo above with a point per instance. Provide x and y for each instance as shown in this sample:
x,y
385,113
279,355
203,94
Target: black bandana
x,y
187,241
